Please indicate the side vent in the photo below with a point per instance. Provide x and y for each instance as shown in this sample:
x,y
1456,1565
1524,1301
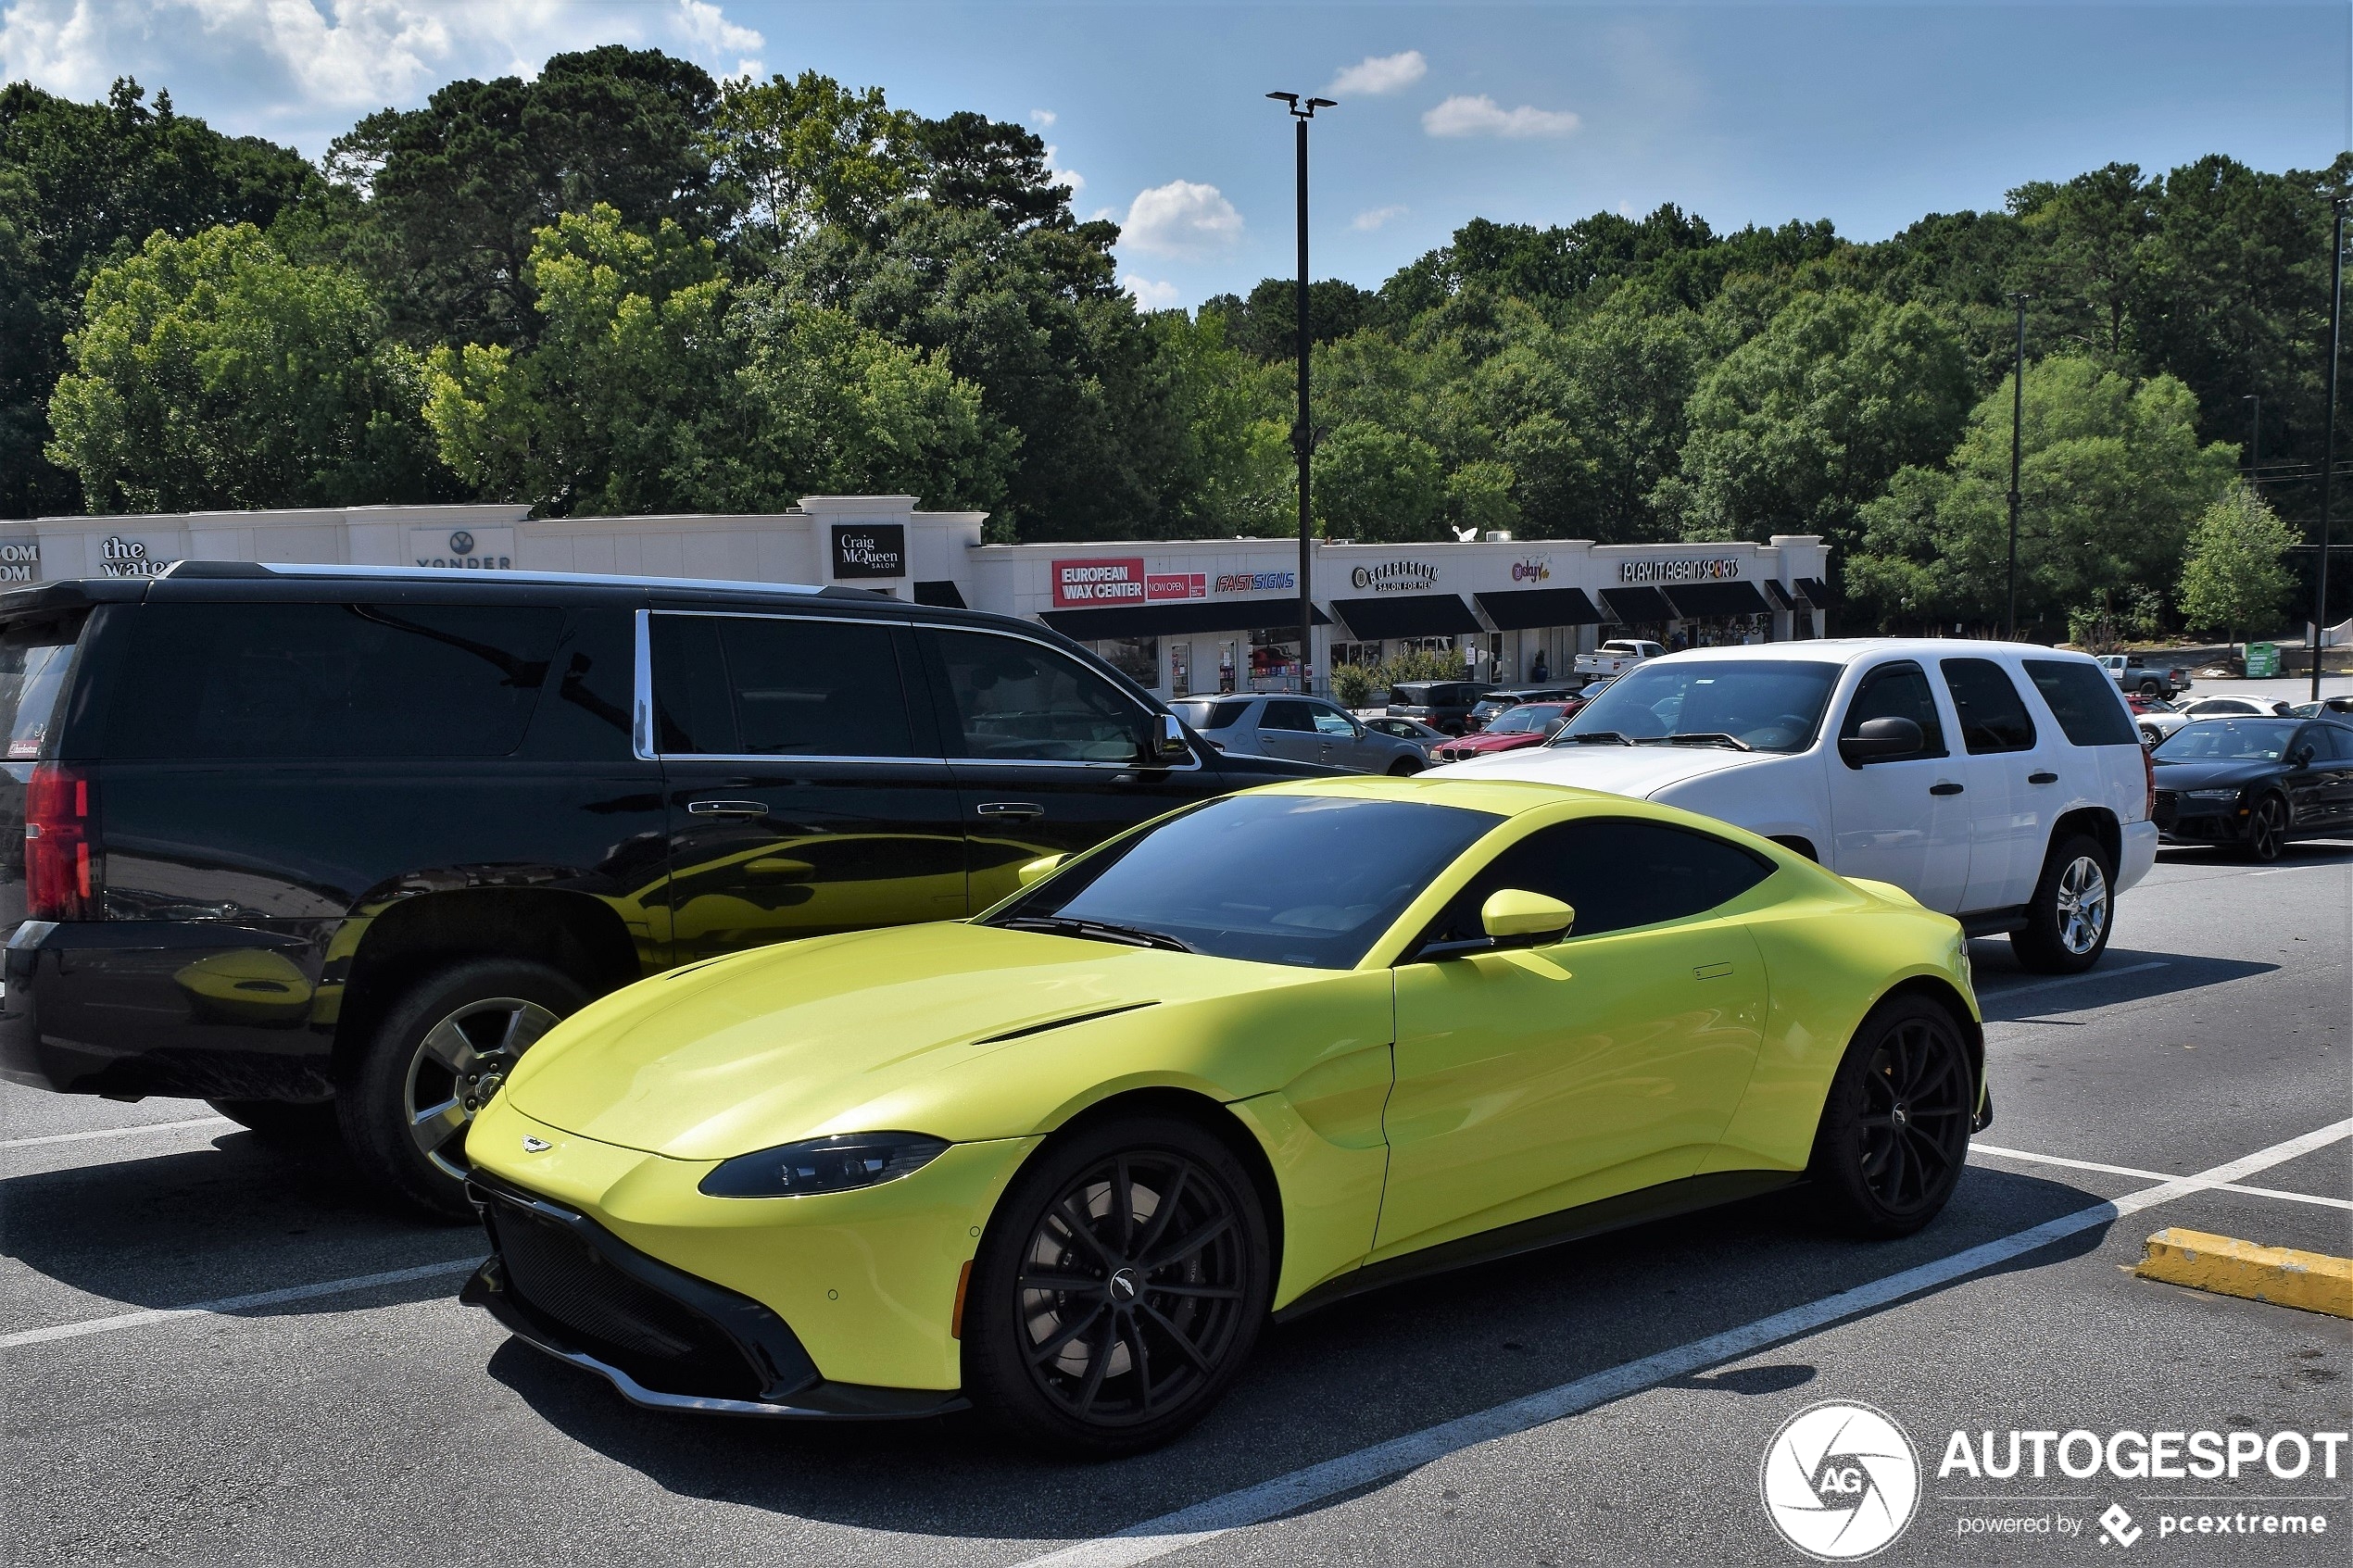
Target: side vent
x,y
1062,1022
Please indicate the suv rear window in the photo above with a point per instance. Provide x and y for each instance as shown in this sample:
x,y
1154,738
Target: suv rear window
x,y
2084,701
33,662
241,680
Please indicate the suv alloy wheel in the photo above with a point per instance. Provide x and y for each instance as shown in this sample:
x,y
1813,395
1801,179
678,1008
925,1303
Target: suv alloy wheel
x,y
2074,908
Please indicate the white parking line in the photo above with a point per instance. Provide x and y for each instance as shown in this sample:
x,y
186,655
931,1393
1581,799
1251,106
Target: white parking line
x,y
1977,1149
228,1304
2071,980
118,1132
1216,1516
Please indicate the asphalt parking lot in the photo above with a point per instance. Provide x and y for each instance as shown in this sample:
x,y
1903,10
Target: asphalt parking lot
x,y
1607,1402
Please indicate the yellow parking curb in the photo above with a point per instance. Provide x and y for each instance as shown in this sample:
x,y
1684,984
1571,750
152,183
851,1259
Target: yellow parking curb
x,y
2280,1275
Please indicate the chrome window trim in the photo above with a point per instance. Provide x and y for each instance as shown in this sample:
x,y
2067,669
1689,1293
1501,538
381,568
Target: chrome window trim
x,y
641,723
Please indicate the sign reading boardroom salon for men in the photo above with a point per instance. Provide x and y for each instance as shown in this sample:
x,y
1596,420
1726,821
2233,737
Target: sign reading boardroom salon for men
x,y
870,549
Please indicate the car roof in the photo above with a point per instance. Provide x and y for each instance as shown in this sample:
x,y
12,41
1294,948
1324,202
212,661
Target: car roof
x,y
1503,798
1850,650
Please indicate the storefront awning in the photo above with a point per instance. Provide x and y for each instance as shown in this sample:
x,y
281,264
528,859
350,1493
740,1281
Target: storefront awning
x,y
1638,606
1392,616
1781,597
1517,609
944,594
1696,601
1817,593
1179,619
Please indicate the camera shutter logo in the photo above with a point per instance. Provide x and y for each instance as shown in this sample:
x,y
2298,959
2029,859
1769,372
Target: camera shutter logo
x,y
1839,1481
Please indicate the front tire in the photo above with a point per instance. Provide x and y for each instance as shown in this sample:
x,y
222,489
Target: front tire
x,y
1896,1128
2074,909
2267,829
1406,767
435,1060
1119,1289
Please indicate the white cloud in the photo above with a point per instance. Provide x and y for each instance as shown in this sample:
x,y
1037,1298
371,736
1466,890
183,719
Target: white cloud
x,y
1070,177
1373,218
1044,117
1375,75
1181,218
1463,115
1149,295
702,23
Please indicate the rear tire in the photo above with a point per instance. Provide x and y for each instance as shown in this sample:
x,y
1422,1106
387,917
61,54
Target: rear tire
x,y
1097,1324
1896,1128
436,1058
2073,909
2152,688
285,1124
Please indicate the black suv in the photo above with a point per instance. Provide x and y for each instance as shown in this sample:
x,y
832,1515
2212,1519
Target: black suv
x,y
329,846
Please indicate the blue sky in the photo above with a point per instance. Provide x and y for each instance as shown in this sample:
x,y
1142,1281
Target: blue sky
x,y
1869,115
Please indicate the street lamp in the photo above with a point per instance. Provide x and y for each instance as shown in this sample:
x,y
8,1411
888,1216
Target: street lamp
x,y
1302,445
2018,422
2328,442
2254,442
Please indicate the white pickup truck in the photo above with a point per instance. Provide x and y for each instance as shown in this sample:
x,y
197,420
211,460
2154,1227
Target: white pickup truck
x,y
1616,658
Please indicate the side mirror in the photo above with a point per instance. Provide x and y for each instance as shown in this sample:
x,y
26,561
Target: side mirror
x,y
1043,866
2302,758
1516,917
1168,743
1883,740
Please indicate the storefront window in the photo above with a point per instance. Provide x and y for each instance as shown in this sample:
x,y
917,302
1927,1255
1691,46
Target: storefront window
x,y
1180,669
1274,659
1135,658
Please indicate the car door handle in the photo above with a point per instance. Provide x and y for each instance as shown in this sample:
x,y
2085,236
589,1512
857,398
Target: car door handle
x,y
2042,778
1944,789
1711,972
1015,811
727,807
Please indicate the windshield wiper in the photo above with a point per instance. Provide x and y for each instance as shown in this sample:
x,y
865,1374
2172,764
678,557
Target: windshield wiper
x,y
1702,737
1594,737
1096,931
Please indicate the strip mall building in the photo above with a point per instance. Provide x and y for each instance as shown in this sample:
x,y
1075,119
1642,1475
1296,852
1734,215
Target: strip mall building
x,y
1179,616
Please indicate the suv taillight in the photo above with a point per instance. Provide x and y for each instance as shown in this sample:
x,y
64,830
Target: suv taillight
x,y
60,838
2148,776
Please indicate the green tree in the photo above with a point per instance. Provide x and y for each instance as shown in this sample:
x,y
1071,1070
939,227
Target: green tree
x,y
2235,578
794,155
1377,484
211,372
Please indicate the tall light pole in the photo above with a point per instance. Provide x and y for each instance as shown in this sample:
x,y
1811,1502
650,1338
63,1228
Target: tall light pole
x,y
2017,425
1302,441
2253,442
2328,442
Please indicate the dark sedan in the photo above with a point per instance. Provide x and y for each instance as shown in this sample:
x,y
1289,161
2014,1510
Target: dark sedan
x,y
2254,784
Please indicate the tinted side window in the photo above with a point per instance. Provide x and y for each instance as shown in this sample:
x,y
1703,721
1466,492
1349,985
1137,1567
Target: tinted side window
x,y
1286,716
2084,701
1993,717
1018,701
1897,691
2336,742
765,686
1615,873
223,681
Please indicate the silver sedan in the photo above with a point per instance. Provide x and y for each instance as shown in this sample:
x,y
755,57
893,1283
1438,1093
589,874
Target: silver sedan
x,y
1305,729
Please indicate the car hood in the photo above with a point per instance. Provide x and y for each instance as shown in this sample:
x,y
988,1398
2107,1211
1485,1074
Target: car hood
x,y
929,1028
1638,771
2211,775
1484,741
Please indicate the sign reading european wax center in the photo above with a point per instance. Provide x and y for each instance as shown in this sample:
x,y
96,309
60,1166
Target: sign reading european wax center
x,y
870,549
1679,568
463,550
1094,584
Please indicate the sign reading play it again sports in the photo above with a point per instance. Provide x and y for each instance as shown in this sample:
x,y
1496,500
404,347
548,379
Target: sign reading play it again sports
x,y
1099,585
1679,568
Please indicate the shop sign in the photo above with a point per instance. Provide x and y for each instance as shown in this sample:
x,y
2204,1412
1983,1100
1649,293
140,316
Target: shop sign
x,y
19,563
462,549
1394,576
1536,568
1091,585
128,558
877,549
1679,568
1257,583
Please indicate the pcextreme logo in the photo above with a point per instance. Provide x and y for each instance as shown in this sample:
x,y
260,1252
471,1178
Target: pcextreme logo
x,y
1839,1481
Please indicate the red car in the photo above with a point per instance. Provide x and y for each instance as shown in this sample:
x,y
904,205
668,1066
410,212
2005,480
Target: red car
x,y
1531,724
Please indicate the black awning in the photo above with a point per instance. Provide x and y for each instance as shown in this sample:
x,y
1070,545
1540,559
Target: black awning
x,y
1778,596
1178,619
1638,606
1817,593
1516,610
1405,615
1694,601
945,595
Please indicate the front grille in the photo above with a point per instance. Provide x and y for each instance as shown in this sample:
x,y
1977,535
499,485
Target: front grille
x,y
2168,807
664,1344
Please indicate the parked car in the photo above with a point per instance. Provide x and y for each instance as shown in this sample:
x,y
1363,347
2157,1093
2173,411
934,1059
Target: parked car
x,y
1062,1162
1618,656
1496,702
2254,783
2130,674
2326,705
2154,717
330,847
1444,706
1413,729
2000,783
2235,707
1298,729
1531,724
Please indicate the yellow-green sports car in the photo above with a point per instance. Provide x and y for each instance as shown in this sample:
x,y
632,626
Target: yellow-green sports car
x,y
1062,1160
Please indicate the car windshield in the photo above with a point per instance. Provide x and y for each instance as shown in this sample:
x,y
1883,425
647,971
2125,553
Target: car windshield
x,y
1525,721
2227,740
1307,880
1765,704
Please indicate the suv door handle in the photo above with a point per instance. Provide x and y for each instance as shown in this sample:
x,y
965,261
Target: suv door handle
x,y
1944,789
1017,810
727,807
2042,778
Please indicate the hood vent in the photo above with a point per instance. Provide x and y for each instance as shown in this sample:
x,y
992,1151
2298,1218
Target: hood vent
x,y
1062,1022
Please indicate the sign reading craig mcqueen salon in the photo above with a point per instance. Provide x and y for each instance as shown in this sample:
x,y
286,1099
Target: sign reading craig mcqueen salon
x,y
1393,577
870,549
1096,585
1679,568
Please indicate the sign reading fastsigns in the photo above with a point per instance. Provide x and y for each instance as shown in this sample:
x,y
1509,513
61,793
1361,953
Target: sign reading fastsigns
x,y
1098,584
1679,568
877,549
462,549
1257,583
1394,576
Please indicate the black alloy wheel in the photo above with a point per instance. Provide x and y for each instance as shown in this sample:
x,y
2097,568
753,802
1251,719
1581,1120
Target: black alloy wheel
x,y
2152,688
1895,1128
2267,829
1120,1286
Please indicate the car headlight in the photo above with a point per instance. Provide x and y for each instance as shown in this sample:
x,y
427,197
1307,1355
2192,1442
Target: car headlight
x,y
839,1163
2210,795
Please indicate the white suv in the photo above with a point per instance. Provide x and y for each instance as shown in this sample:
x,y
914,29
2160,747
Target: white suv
x,y
2001,782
